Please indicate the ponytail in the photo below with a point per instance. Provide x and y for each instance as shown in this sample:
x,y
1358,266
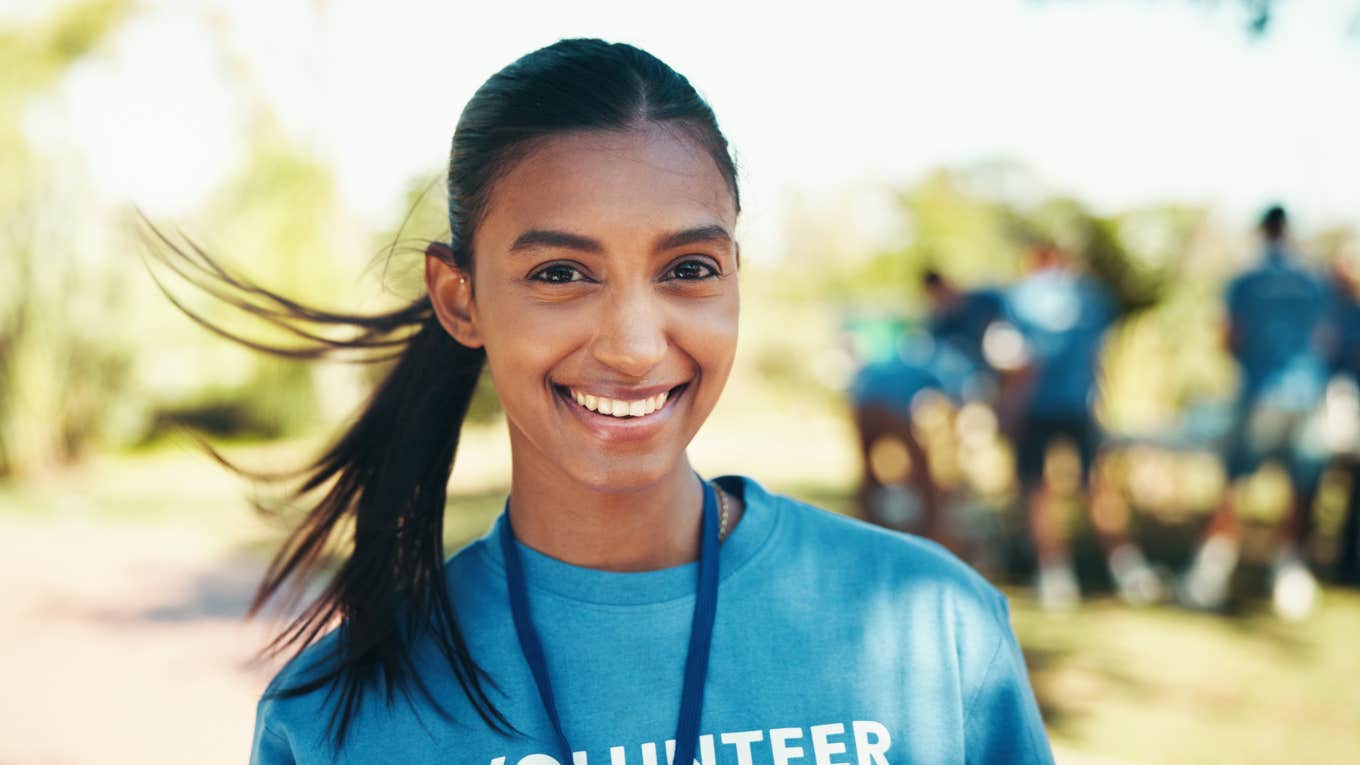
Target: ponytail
x,y
391,471
386,476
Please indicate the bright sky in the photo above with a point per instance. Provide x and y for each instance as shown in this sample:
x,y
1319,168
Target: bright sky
x,y
1121,102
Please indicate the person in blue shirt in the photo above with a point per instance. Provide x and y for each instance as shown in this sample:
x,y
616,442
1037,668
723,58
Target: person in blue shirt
x,y
898,488
959,321
1063,316
621,610
1280,333
1344,363
899,492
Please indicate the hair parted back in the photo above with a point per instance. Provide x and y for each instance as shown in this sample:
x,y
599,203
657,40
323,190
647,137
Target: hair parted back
x,y
1273,222
579,84
387,474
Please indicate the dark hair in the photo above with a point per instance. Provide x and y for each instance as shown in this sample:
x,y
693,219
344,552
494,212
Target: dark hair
x,y
389,472
1273,222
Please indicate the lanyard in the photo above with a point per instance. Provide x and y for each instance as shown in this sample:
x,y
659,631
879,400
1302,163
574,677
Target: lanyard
x,y
700,636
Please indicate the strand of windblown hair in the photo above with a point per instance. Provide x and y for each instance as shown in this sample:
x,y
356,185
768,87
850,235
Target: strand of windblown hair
x,y
388,331
386,476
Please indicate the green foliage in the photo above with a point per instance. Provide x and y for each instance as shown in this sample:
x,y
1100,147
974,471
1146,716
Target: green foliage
x,y
960,223
977,225
401,249
278,222
959,231
950,228
33,56
1097,243
59,364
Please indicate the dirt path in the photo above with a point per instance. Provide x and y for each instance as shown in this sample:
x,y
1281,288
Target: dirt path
x,y
123,643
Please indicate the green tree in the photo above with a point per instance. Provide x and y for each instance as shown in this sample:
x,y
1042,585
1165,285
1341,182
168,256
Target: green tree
x,y
56,368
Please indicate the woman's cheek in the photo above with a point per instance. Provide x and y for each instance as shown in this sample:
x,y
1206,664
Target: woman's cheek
x,y
710,331
535,329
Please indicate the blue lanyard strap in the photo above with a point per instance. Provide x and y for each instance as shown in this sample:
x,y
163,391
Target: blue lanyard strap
x,y
700,636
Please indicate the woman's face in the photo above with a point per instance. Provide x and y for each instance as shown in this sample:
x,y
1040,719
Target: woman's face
x,y
605,294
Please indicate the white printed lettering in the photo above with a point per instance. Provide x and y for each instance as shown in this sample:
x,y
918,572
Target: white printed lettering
x,y
822,747
742,740
873,751
708,750
827,745
706,754
779,738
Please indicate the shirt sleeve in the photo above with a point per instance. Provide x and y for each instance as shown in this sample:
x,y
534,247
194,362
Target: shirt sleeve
x,y
1002,721
269,747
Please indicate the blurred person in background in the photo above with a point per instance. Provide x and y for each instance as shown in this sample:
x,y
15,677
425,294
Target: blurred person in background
x,y
592,269
1344,370
1278,330
898,488
1063,316
959,320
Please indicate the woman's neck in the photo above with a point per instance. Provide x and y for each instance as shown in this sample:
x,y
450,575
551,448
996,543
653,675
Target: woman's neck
x,y
651,527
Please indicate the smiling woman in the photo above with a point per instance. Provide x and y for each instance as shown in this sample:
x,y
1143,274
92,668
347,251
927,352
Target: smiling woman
x,y
612,250
622,609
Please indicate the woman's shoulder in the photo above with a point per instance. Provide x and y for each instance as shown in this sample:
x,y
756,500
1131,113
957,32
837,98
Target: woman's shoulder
x,y
839,547
281,700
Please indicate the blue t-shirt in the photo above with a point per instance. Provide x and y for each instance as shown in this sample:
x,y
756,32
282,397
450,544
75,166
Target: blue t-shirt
x,y
964,324
835,642
1275,310
958,330
1344,357
1063,317
891,384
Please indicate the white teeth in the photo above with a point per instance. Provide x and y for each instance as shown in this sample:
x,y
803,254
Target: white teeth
x,y
618,407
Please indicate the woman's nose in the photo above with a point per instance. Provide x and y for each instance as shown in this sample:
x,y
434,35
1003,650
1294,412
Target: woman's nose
x,y
631,336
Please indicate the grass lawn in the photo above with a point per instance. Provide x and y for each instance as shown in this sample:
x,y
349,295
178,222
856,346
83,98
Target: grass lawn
x,y
1163,685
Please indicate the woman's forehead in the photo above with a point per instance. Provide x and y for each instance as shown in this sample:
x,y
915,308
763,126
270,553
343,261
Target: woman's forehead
x,y
610,184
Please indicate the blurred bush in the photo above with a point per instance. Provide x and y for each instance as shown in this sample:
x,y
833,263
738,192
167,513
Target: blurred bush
x,y
61,359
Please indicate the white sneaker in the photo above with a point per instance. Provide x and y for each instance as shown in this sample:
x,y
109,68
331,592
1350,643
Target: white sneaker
x,y
1294,591
1204,587
1137,583
1058,589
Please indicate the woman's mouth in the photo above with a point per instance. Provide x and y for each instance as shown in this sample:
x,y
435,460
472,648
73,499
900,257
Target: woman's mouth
x,y
621,408
617,407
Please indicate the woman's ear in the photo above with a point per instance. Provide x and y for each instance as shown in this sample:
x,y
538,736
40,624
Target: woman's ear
x,y
450,291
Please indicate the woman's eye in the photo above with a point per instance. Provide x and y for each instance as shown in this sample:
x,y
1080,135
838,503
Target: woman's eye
x,y
692,270
557,274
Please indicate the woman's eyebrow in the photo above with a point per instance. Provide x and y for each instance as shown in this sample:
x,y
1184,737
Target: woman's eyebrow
x,y
708,234
536,237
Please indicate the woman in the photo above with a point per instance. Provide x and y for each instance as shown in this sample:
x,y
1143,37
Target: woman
x,y
622,610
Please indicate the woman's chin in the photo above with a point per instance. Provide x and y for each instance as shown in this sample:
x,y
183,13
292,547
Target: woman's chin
x,y
624,476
